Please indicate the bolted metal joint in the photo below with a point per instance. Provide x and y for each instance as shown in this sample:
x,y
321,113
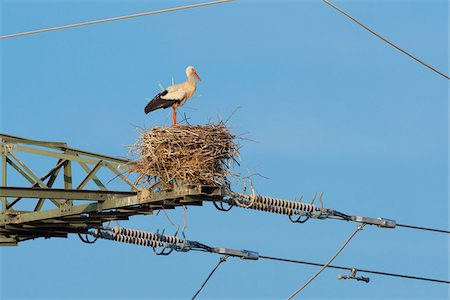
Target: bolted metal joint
x,y
243,254
353,276
380,222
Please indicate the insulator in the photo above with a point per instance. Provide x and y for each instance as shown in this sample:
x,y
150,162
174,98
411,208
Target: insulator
x,y
116,230
277,205
142,238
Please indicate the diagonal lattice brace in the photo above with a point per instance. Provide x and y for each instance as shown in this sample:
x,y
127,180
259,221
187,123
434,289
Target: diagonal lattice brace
x,y
97,181
28,174
51,181
90,175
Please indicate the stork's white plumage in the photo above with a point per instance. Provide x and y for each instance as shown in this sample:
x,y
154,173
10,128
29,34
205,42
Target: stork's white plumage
x,y
175,95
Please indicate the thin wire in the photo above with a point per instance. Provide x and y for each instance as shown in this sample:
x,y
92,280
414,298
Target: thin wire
x,y
222,259
167,216
385,40
184,219
344,217
349,269
423,228
114,19
360,227
86,240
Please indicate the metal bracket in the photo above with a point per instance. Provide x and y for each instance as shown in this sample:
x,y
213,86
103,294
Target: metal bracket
x,y
353,276
244,254
380,222
66,208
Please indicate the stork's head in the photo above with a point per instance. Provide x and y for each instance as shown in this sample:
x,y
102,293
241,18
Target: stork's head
x,y
191,71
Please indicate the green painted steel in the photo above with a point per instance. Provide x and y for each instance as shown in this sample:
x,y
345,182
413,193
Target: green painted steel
x,y
51,193
4,241
4,175
67,211
59,146
94,178
20,140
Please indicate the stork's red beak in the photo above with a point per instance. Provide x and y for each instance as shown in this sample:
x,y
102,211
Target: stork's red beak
x,y
196,75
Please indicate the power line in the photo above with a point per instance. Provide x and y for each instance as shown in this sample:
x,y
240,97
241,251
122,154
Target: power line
x,y
304,211
381,222
359,228
114,18
385,40
222,260
143,238
423,228
349,269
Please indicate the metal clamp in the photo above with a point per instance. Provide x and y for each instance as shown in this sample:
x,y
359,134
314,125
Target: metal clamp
x,y
380,222
353,276
244,254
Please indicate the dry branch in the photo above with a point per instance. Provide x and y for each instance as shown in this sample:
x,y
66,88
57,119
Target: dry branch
x,y
192,155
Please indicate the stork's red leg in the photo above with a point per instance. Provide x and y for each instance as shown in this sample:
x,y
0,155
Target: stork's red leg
x,y
174,115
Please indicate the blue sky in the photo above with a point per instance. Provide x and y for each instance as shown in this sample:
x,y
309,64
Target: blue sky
x,y
329,107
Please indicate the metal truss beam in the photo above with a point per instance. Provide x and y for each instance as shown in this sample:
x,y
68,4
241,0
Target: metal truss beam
x,y
66,194
69,214
57,146
34,217
141,203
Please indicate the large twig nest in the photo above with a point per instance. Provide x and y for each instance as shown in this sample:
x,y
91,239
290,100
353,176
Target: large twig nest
x,y
190,155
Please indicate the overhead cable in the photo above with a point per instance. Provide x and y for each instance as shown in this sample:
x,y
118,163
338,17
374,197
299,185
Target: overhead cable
x,y
423,228
385,40
114,19
360,227
349,269
222,260
380,222
300,212
153,240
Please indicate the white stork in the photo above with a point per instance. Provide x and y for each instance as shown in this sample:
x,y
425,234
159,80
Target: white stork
x,y
175,95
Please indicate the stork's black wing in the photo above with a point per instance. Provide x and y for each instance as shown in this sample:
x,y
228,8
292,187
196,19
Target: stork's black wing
x,y
157,102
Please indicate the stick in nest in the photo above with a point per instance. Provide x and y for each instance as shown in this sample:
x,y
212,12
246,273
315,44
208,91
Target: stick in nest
x,y
193,155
